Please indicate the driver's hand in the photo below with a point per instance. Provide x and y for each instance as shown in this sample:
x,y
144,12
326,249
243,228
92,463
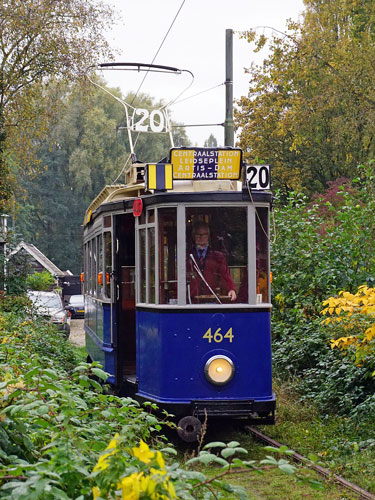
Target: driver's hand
x,y
232,295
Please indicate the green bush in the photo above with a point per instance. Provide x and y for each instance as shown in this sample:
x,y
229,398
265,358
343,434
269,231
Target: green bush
x,y
40,281
321,247
56,421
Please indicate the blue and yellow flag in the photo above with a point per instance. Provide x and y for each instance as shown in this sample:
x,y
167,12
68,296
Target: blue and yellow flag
x,y
159,176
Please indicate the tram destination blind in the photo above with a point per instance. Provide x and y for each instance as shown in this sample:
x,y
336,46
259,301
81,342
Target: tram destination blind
x,y
206,164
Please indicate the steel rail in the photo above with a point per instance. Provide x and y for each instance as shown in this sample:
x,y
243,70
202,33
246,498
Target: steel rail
x,y
320,470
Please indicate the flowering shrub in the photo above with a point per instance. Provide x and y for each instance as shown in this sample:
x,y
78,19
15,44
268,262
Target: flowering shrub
x,y
144,473
351,317
56,422
141,473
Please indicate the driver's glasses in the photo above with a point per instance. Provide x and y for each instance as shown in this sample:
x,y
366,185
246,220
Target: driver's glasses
x,y
201,235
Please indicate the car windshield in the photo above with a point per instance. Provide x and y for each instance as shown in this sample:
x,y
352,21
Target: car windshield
x,y
76,299
52,300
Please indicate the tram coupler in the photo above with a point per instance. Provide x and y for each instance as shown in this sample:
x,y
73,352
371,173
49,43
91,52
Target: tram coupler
x,y
189,429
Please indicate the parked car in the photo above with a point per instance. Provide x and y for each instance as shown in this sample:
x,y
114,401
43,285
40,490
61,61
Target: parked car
x,y
76,306
50,306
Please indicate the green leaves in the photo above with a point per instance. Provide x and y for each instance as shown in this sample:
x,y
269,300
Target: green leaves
x,y
54,417
309,110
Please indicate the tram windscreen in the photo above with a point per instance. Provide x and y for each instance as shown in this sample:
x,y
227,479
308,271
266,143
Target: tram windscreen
x,y
216,255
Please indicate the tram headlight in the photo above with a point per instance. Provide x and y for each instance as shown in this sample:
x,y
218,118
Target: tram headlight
x,y
219,370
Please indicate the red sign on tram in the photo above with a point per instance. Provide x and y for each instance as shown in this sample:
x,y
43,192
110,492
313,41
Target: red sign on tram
x,y
137,207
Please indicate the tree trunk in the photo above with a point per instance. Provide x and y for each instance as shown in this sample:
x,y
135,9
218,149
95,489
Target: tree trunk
x,y
5,185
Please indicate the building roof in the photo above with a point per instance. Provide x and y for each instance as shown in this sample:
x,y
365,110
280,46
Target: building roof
x,y
39,257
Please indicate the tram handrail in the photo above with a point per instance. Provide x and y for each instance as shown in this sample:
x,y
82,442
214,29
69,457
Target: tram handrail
x,y
196,267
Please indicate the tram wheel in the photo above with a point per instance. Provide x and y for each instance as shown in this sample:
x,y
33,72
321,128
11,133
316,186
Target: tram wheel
x,y
189,429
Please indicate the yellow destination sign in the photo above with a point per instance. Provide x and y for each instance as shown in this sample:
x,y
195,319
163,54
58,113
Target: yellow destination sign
x,y
201,164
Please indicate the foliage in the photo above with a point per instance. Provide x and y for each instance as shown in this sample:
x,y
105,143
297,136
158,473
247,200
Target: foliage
x,y
140,472
14,270
40,281
41,42
321,247
351,317
55,419
345,446
56,422
211,142
310,108
83,152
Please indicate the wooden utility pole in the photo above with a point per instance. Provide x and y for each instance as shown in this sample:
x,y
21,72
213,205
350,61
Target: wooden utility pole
x,y
229,125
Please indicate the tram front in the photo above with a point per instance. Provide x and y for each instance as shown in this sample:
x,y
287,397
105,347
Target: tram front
x,y
203,342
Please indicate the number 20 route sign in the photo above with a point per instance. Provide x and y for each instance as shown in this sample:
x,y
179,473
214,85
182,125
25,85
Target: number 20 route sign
x,y
258,176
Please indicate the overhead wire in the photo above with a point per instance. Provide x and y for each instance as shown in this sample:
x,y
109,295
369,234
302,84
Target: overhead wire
x,y
157,52
144,78
199,93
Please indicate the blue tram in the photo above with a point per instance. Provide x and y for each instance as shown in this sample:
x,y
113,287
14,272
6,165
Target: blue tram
x,y
188,332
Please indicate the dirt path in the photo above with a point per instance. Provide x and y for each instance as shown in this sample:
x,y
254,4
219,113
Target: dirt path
x,y
77,333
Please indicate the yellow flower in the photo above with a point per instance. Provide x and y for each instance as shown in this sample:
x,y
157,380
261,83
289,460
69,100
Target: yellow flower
x,y
171,490
143,453
160,472
95,492
103,460
148,485
130,486
160,460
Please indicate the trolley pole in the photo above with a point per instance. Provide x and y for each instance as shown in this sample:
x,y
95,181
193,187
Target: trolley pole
x,y
229,125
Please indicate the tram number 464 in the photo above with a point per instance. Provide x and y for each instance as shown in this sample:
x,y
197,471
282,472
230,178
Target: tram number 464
x,y
218,336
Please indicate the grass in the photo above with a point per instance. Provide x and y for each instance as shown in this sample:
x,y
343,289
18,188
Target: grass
x,y
341,446
270,484
345,447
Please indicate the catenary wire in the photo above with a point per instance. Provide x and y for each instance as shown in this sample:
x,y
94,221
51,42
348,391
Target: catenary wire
x,y
157,52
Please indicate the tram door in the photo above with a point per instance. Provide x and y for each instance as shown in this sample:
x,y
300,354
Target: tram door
x,y
125,313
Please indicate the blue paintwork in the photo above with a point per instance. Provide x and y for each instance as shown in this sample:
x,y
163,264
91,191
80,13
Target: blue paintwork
x,y
171,355
98,336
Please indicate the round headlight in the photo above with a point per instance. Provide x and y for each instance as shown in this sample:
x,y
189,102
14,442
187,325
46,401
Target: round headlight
x,y
219,370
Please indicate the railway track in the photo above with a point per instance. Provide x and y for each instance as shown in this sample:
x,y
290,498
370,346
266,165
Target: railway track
x,y
362,494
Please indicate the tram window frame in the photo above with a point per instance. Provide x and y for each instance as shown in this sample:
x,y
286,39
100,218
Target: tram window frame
x,y
108,264
152,218
223,241
90,267
262,246
146,284
165,285
99,261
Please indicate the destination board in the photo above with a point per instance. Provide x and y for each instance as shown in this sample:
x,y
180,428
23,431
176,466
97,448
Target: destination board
x,y
202,164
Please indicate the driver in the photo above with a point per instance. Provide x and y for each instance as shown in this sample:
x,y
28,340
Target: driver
x,y
212,265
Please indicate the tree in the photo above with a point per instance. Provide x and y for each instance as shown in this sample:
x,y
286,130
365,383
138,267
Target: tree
x,y
83,151
41,41
311,105
211,142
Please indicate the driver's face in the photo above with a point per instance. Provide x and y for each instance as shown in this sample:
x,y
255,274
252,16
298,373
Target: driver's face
x,y
201,237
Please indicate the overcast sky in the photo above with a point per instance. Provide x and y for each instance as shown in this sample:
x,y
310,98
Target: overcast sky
x,y
196,42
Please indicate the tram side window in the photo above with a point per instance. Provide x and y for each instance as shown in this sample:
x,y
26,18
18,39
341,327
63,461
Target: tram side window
x,y
91,260
151,264
99,246
216,255
167,255
85,259
262,254
142,265
107,263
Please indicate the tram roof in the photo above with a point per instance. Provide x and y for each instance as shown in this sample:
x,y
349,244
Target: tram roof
x,y
121,197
